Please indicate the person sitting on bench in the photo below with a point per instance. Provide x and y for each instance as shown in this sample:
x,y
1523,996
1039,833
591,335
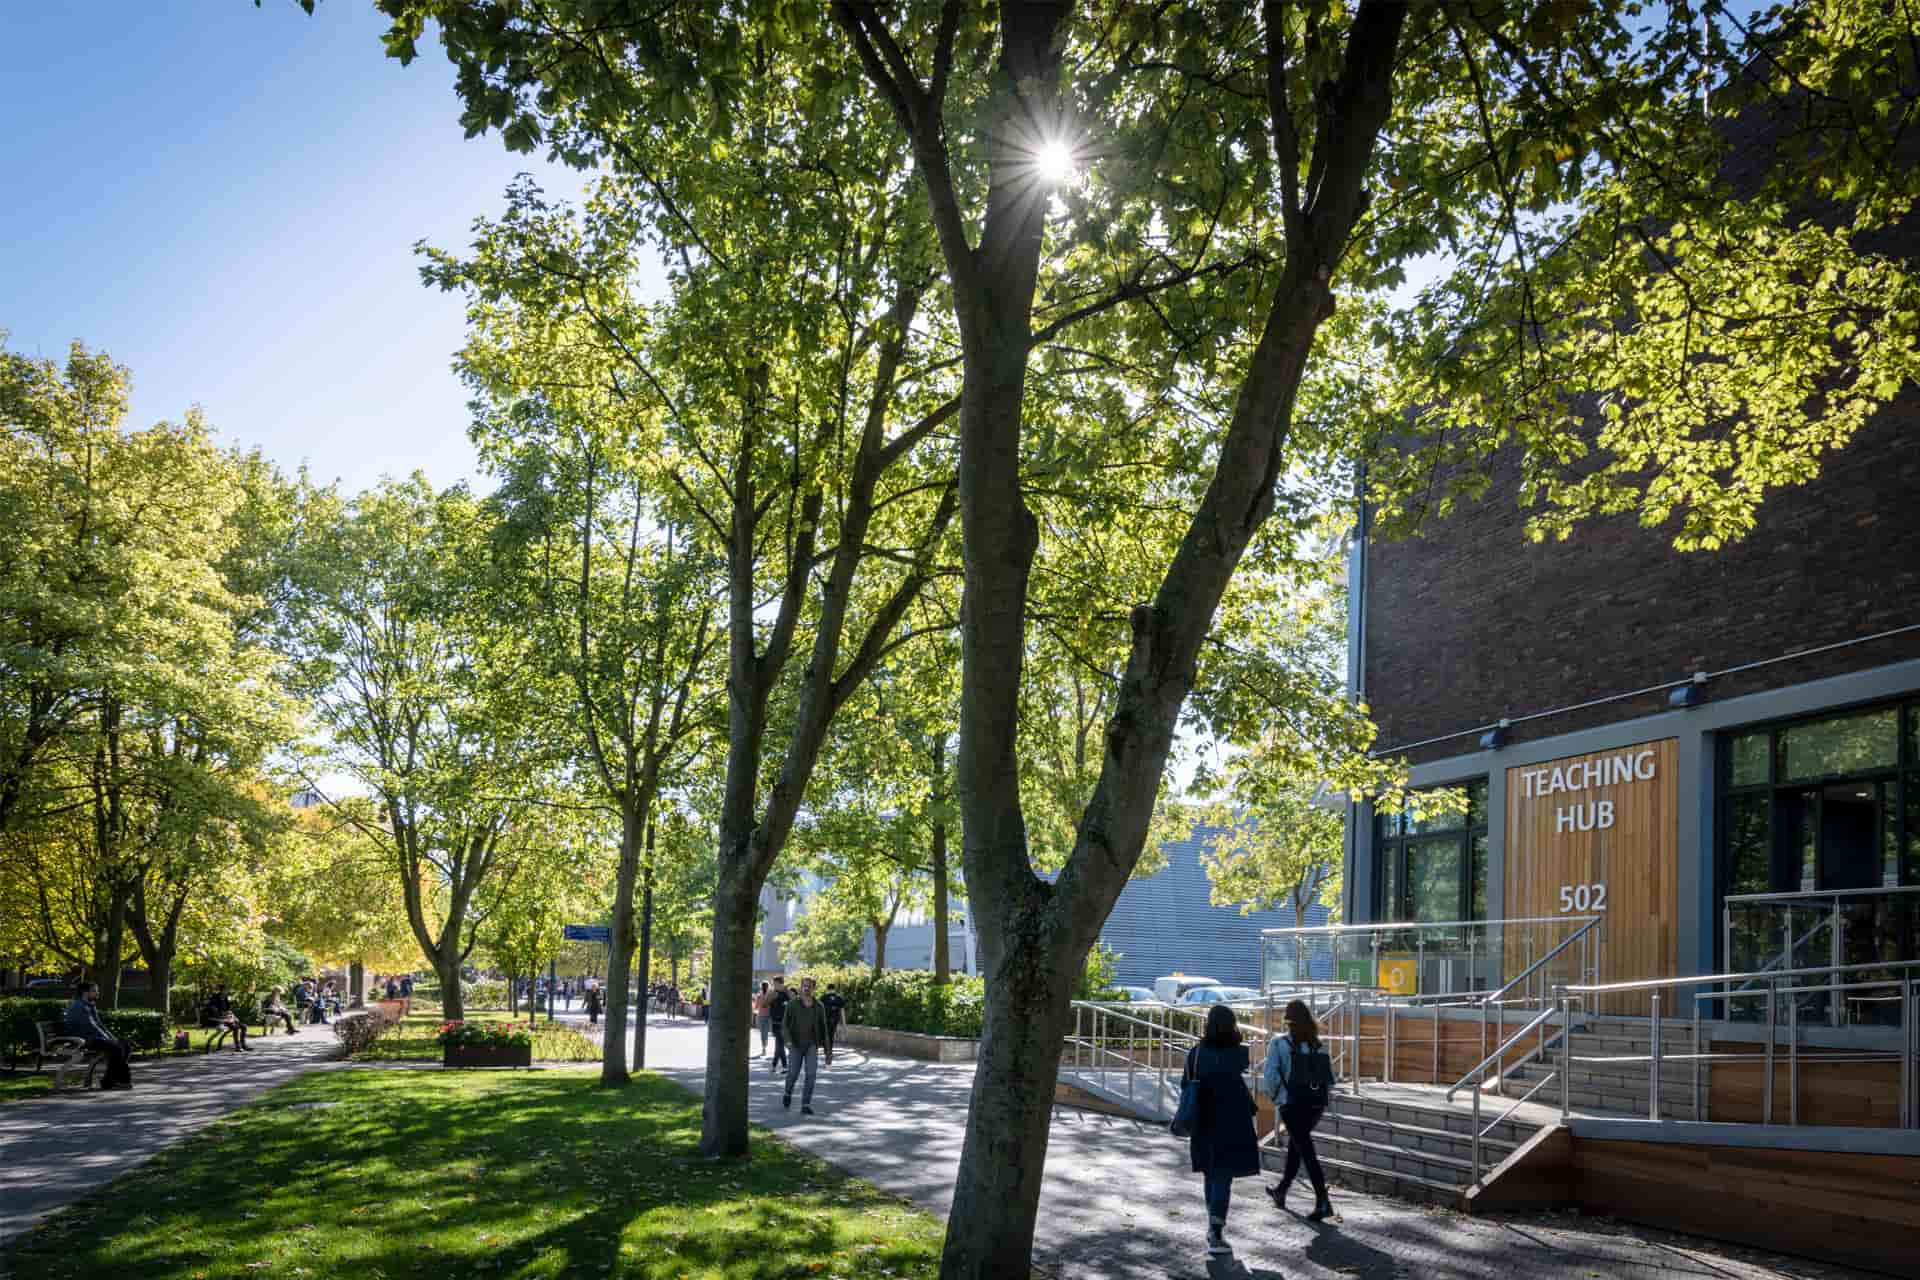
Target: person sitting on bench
x,y
273,1009
218,1013
83,1020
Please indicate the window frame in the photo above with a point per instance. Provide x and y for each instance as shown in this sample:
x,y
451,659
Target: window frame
x,y
1903,776
1392,840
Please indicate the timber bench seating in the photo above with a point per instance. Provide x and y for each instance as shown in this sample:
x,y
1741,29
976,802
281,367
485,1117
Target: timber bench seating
x,y
66,1054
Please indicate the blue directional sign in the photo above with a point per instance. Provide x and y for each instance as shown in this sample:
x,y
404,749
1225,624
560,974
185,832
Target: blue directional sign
x,y
588,932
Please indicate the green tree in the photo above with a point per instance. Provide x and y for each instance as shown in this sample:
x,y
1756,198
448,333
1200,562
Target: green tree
x,y
428,701
623,608
1242,170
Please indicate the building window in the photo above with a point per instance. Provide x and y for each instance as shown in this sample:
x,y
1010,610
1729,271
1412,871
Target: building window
x,y
1434,868
1828,802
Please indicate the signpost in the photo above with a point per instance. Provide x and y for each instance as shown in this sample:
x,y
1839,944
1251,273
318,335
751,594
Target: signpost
x,y
577,933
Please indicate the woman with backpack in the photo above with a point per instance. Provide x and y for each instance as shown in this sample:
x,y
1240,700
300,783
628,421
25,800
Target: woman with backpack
x,y
1299,1078
1222,1143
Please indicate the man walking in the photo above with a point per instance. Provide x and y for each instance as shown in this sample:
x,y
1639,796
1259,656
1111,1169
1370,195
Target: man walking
x,y
836,1005
83,1020
777,1011
806,1027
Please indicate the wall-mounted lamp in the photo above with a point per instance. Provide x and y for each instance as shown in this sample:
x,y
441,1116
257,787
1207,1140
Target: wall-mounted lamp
x,y
1690,695
1495,738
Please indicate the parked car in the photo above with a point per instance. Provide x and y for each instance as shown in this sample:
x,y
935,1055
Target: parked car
x,y
1138,995
1219,995
1173,988
48,988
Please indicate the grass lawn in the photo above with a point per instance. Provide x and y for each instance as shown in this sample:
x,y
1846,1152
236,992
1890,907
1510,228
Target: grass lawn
x,y
414,1039
387,1174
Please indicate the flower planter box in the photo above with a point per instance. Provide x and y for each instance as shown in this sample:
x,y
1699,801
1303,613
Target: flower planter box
x,y
489,1055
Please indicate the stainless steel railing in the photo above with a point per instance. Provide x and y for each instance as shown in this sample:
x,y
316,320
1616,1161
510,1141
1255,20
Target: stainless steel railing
x,y
1765,985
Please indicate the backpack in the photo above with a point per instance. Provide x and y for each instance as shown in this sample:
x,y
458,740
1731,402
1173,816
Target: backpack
x,y
1312,1086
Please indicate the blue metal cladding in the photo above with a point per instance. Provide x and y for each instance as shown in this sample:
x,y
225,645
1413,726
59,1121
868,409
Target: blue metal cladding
x,y
1165,923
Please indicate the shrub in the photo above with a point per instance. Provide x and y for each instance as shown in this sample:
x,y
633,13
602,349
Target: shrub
x,y
144,1029
489,993
358,1030
484,1034
907,999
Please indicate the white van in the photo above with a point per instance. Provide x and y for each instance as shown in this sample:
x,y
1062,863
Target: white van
x,y
1175,985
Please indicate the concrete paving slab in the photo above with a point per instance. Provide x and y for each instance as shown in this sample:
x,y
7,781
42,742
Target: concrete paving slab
x,y
56,1148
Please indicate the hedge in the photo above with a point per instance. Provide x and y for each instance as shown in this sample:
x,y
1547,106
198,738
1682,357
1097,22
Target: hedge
x,y
144,1029
904,999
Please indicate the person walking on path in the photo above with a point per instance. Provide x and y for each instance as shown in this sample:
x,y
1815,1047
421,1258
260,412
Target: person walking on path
x,y
1223,1145
777,1003
83,1020
807,1037
1298,1076
836,1015
763,1015
593,1006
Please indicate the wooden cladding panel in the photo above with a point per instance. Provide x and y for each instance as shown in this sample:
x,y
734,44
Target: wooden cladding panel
x,y
1636,858
1847,1094
1835,1206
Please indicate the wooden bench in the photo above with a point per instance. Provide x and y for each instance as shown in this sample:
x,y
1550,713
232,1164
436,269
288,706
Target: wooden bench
x,y
66,1054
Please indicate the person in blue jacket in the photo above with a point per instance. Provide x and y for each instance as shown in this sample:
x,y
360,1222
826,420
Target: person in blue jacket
x,y
1223,1144
1301,1099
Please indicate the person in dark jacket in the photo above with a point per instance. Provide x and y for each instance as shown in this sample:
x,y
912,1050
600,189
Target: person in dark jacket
x,y
219,1013
593,1006
1223,1144
777,1011
83,1020
806,1037
1298,1051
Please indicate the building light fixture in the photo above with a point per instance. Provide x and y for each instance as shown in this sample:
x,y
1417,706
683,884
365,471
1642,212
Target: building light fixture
x,y
1496,737
1690,695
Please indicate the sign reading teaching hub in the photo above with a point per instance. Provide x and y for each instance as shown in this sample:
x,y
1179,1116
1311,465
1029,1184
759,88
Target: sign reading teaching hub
x,y
1598,834
1637,765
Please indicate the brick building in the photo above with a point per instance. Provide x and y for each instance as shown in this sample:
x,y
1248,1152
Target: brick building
x,y
1653,730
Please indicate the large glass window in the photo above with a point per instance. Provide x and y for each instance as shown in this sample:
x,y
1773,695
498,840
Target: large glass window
x,y
1826,803
1433,868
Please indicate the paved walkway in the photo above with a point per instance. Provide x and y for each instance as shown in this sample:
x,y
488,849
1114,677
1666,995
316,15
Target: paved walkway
x,y
1119,1202
55,1148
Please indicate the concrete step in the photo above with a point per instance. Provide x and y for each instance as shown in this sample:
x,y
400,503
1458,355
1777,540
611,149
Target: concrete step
x,y
1419,1139
1393,1158
1615,1076
1437,1116
1359,1177
1629,1046
1609,1102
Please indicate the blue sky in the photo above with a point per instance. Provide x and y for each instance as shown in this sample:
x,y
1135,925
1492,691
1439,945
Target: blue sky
x,y
226,199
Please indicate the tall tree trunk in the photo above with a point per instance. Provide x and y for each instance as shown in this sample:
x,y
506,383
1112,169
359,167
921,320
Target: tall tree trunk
x,y
880,930
646,956
113,941
942,968
357,985
723,1129
613,1050
1003,1156
446,969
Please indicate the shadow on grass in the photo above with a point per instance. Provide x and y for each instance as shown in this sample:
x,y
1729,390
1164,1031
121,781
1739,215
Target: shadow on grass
x,y
389,1174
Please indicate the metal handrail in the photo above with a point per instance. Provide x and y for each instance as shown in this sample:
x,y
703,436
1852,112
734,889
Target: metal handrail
x,y
1909,1056
1543,1016
1588,923
1415,924
1479,1075
1784,895
1710,979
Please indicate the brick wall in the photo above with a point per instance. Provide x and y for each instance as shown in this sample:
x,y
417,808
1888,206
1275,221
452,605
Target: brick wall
x,y
1468,621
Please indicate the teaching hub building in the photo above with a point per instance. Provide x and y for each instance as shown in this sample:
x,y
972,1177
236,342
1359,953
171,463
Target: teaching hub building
x,y
1718,753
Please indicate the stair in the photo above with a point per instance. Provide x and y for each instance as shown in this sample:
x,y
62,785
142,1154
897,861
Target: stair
x,y
1618,1087
1407,1142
